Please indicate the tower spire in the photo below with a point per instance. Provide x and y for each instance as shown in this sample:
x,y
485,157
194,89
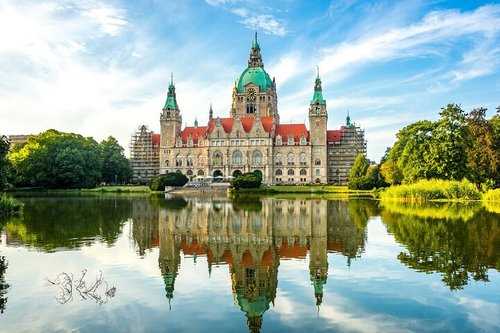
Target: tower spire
x,y
318,90
171,102
255,59
210,112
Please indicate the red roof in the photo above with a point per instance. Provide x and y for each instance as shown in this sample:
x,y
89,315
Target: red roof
x,y
295,130
246,122
156,139
334,135
195,132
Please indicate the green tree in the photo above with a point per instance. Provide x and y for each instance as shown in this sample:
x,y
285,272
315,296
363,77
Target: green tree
x,y
495,127
390,172
450,141
482,159
55,159
4,163
115,166
359,167
159,182
247,180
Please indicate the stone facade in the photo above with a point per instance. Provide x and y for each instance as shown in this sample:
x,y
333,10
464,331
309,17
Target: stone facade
x,y
253,138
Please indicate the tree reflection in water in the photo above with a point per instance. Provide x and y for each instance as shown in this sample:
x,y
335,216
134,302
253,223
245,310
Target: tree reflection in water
x,y
3,285
459,242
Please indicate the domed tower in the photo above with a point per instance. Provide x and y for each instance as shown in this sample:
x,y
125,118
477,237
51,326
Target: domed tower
x,y
318,120
170,123
169,258
254,92
318,257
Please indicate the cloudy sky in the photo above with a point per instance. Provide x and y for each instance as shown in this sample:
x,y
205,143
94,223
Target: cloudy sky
x,y
102,68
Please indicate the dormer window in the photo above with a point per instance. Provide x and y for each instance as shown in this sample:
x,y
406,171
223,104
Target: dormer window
x,y
190,142
291,141
303,141
278,140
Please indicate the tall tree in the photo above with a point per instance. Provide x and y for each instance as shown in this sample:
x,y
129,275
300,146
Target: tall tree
x,y
57,160
482,159
450,141
359,167
115,166
4,149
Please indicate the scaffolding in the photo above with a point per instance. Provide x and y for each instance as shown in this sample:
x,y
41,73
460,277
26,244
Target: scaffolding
x,y
341,154
144,155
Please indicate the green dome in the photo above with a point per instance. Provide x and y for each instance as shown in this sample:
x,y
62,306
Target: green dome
x,y
255,75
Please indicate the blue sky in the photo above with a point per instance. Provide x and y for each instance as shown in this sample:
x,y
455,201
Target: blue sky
x,y
102,68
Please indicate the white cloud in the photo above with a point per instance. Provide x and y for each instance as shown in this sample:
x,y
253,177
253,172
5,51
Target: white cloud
x,y
266,23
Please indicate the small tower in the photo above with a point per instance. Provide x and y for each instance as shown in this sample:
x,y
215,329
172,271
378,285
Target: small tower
x,y
170,123
318,257
318,119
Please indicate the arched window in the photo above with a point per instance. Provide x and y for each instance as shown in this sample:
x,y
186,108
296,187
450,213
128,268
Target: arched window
x,y
278,160
279,172
217,159
317,162
257,157
200,159
279,142
189,160
290,159
303,159
303,172
189,172
237,157
291,172
166,162
201,173
237,173
291,140
303,140
178,160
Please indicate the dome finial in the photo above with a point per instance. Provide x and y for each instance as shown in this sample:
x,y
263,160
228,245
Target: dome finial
x,y
317,71
172,78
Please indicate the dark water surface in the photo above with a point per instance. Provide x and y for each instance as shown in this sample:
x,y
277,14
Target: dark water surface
x,y
200,264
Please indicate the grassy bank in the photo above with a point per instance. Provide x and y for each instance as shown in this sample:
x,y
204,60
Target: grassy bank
x,y
9,206
308,189
118,189
432,190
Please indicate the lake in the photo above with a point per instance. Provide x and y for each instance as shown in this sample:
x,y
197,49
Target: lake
x,y
124,263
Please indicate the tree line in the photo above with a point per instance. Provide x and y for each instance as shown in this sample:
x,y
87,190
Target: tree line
x,y
54,159
456,146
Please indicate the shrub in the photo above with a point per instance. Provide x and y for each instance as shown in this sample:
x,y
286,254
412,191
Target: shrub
x,y
9,206
434,189
158,183
492,195
247,180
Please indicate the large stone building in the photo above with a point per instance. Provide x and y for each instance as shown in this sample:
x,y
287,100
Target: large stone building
x,y
252,138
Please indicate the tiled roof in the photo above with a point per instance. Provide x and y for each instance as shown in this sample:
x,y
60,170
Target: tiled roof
x,y
334,135
195,132
155,139
246,122
295,130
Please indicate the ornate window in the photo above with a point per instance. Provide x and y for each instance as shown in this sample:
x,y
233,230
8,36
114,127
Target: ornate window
x,y
217,159
291,140
178,160
237,157
200,159
189,160
317,172
290,159
303,172
189,172
303,140
201,173
303,159
279,172
291,172
279,142
317,162
278,160
257,157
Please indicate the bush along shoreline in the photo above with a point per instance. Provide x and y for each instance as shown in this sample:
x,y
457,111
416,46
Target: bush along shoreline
x,y
9,206
432,190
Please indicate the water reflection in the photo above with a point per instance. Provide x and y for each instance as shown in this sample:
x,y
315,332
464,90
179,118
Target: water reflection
x,y
254,239
3,285
460,242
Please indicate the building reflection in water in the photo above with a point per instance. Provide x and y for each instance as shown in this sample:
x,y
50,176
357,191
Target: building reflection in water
x,y
251,237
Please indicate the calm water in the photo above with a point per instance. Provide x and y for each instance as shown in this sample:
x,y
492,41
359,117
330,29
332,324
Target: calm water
x,y
198,264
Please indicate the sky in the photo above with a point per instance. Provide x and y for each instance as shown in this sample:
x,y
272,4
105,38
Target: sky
x,y
102,68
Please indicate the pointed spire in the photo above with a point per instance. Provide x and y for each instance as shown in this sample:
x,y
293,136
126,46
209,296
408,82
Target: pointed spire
x,y
318,90
317,72
171,102
255,59
195,122
171,78
348,119
210,112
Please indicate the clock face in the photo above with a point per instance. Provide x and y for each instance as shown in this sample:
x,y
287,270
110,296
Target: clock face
x,y
251,94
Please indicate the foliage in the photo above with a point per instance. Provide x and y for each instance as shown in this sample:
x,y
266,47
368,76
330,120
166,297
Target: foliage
x,y
435,210
159,182
55,159
492,195
458,145
247,180
115,166
364,176
9,206
4,162
434,189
